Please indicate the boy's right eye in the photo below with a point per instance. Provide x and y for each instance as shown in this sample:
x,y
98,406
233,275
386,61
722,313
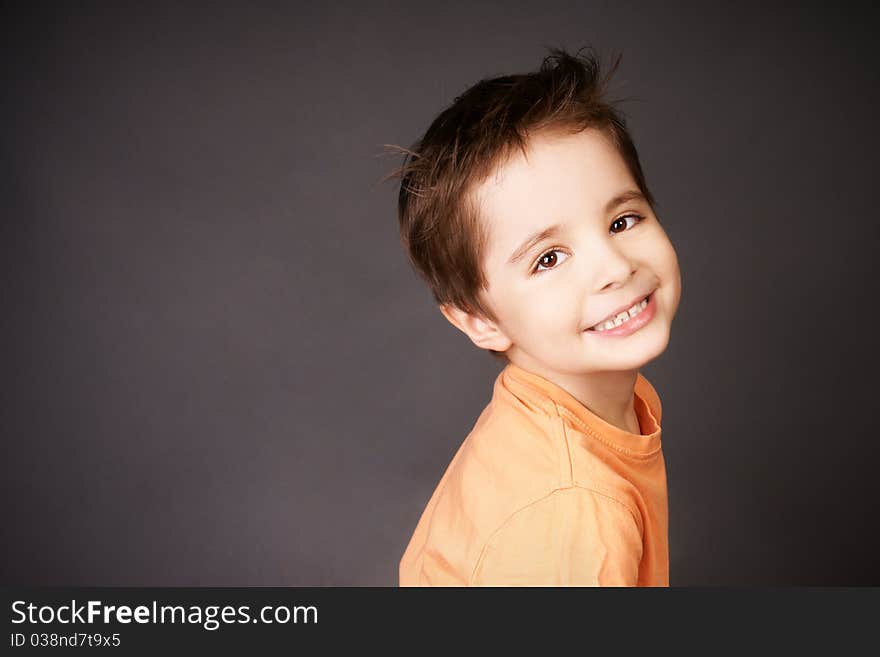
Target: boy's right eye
x,y
547,260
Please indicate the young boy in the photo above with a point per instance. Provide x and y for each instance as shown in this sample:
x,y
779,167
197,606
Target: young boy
x,y
525,209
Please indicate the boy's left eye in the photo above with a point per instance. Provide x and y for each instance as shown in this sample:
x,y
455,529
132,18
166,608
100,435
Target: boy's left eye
x,y
620,221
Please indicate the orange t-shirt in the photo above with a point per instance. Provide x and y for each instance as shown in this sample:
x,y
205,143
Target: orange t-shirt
x,y
544,492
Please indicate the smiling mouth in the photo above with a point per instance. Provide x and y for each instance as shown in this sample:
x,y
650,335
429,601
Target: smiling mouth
x,y
611,318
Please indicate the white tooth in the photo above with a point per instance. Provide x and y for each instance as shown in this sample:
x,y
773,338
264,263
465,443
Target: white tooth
x,y
622,317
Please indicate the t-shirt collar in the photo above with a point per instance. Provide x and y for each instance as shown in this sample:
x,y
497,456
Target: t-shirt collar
x,y
539,391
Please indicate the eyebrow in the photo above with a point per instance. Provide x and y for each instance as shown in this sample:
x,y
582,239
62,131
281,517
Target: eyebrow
x,y
550,231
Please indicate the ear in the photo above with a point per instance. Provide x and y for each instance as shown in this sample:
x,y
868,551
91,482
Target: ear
x,y
482,332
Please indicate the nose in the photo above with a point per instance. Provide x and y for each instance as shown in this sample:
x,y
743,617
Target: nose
x,y
611,268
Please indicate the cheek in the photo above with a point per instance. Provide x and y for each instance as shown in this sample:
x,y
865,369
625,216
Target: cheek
x,y
670,275
664,256
540,310
554,309
671,263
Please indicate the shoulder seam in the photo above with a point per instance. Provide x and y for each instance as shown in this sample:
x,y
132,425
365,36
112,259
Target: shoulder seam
x,y
568,456
536,501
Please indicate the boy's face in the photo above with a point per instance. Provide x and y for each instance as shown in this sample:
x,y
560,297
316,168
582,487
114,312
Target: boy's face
x,y
600,259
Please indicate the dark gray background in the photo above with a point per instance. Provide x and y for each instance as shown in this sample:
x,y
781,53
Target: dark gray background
x,y
221,370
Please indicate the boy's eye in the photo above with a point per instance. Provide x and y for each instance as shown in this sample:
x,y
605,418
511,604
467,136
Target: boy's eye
x,y
621,221
548,259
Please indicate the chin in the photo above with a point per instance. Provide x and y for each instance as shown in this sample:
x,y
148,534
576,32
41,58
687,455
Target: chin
x,y
640,349
655,346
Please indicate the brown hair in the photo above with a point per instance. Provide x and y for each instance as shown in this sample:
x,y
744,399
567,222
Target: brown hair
x,y
466,142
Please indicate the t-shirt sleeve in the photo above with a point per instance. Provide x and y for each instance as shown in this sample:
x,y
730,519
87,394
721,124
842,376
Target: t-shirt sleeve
x,y
572,537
